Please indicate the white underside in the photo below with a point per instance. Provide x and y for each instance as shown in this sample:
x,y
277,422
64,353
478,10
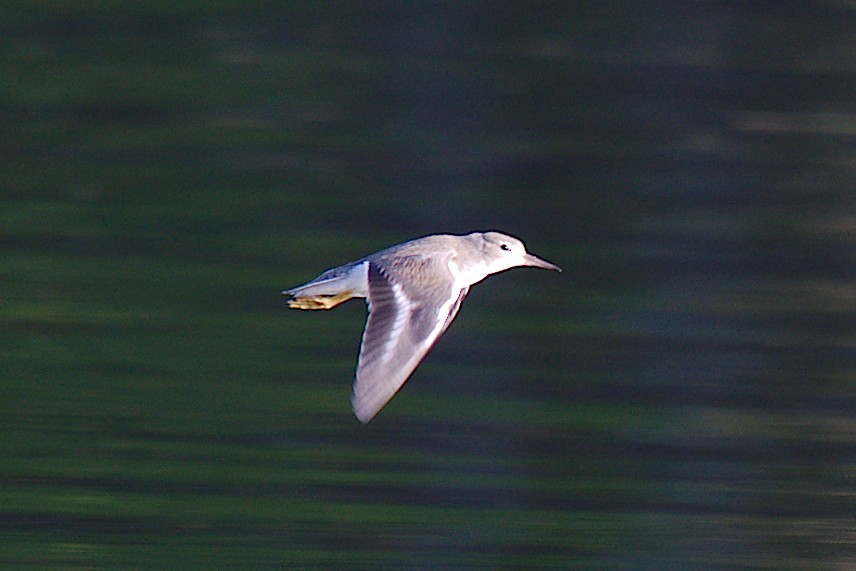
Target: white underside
x,y
355,280
468,277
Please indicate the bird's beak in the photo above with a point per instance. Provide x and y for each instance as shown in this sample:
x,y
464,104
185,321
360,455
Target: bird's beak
x,y
537,262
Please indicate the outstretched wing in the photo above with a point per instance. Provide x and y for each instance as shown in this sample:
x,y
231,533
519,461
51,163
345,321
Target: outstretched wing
x,y
406,317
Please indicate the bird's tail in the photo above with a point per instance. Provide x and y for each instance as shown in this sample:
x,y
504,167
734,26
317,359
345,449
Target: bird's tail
x,y
329,289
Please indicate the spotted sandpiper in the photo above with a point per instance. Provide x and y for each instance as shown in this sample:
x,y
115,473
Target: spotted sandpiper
x,y
413,291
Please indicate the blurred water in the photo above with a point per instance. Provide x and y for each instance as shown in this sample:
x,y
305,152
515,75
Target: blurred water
x,y
682,397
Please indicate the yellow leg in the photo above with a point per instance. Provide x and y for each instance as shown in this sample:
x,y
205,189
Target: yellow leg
x,y
319,301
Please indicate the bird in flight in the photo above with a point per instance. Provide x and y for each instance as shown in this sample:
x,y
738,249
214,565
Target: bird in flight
x,y
413,291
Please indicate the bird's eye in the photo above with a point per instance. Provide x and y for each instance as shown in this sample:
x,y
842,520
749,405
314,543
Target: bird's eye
x,y
505,247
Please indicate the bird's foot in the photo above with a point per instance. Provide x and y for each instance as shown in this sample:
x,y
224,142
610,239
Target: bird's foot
x,y
319,301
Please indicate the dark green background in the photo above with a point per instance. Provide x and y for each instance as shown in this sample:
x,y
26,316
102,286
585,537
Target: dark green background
x,y
681,397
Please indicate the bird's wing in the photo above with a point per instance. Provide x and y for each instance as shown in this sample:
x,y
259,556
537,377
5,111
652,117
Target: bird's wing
x,y
403,324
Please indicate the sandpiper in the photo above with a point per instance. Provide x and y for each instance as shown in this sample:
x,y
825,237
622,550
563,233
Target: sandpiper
x,y
413,291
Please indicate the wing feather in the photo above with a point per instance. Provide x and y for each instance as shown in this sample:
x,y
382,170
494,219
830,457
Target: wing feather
x,y
403,324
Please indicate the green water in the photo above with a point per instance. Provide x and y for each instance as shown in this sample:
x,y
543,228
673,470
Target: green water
x,y
681,397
